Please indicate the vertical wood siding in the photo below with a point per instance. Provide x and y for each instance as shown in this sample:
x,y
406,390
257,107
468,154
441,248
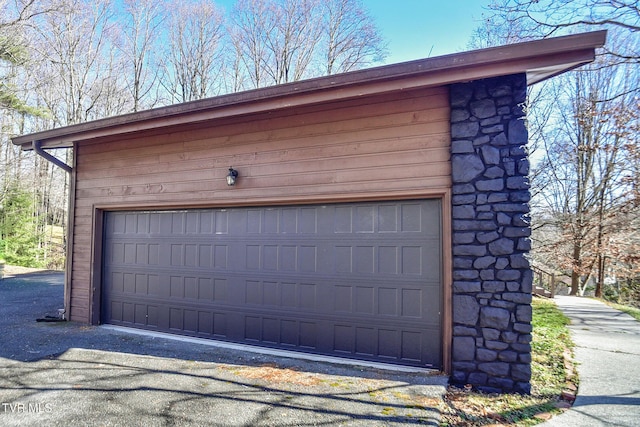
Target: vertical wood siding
x,y
382,144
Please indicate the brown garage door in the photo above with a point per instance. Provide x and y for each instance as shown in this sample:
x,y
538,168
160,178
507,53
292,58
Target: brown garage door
x,y
359,280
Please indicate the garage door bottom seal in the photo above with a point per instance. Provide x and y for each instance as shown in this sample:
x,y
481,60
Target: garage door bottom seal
x,y
275,352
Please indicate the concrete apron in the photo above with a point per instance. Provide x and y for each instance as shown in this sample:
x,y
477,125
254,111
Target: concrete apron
x,y
277,352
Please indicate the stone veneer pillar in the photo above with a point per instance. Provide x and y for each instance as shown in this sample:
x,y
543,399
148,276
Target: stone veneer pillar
x,y
492,278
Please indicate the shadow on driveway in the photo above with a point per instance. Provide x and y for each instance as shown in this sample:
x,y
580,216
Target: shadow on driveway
x,y
73,374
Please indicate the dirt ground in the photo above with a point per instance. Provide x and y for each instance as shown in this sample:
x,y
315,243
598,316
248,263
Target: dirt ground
x,y
14,270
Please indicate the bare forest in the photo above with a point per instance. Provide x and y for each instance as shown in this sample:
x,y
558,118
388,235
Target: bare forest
x,y
64,62
583,131
70,61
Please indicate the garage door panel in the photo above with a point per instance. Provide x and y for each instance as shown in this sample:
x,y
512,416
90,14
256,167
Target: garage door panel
x,y
359,280
381,299
121,305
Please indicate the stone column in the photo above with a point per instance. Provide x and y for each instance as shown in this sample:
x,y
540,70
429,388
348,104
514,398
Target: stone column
x,y
492,278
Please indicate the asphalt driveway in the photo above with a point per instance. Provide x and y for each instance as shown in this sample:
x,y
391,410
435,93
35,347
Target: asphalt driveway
x,y
67,373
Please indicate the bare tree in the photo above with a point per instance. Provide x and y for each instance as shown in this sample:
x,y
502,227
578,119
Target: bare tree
x,y
551,17
89,60
194,56
252,23
72,76
581,185
545,18
71,46
501,26
139,39
351,39
21,11
580,193
234,74
293,42
14,17
276,39
280,41
19,234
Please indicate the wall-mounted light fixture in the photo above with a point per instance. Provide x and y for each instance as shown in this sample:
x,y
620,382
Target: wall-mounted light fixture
x,y
232,176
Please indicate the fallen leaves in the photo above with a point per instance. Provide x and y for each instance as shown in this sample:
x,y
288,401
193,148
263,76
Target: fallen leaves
x,y
275,375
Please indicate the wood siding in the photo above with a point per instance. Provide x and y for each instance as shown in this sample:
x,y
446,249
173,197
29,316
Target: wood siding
x,y
384,146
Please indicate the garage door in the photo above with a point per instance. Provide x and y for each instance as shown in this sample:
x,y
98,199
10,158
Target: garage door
x,y
356,280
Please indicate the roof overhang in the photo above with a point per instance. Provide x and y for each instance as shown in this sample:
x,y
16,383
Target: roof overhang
x,y
540,60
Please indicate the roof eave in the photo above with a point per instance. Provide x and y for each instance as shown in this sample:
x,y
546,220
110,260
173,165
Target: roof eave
x,y
540,59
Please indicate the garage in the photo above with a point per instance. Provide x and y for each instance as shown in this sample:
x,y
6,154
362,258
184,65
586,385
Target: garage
x,y
357,280
378,215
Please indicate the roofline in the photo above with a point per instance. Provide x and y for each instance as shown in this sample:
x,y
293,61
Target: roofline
x,y
540,59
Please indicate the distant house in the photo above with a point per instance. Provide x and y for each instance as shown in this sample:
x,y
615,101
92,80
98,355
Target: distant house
x,y
379,215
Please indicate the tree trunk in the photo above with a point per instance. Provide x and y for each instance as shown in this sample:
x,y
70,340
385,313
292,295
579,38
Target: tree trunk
x,y
575,274
600,282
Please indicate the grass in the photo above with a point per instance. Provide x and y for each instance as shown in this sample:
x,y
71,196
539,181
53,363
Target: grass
x,y
632,311
550,341
549,376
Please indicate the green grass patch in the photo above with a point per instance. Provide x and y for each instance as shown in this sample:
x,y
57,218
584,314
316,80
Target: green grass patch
x,y
632,311
550,339
550,342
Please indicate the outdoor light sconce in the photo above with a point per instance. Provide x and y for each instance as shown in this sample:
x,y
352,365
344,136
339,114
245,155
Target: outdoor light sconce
x,y
232,176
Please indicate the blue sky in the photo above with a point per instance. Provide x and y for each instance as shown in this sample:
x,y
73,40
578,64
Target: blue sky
x,y
422,28
416,29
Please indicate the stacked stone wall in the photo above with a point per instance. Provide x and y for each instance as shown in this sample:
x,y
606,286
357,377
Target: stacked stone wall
x,y
492,278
